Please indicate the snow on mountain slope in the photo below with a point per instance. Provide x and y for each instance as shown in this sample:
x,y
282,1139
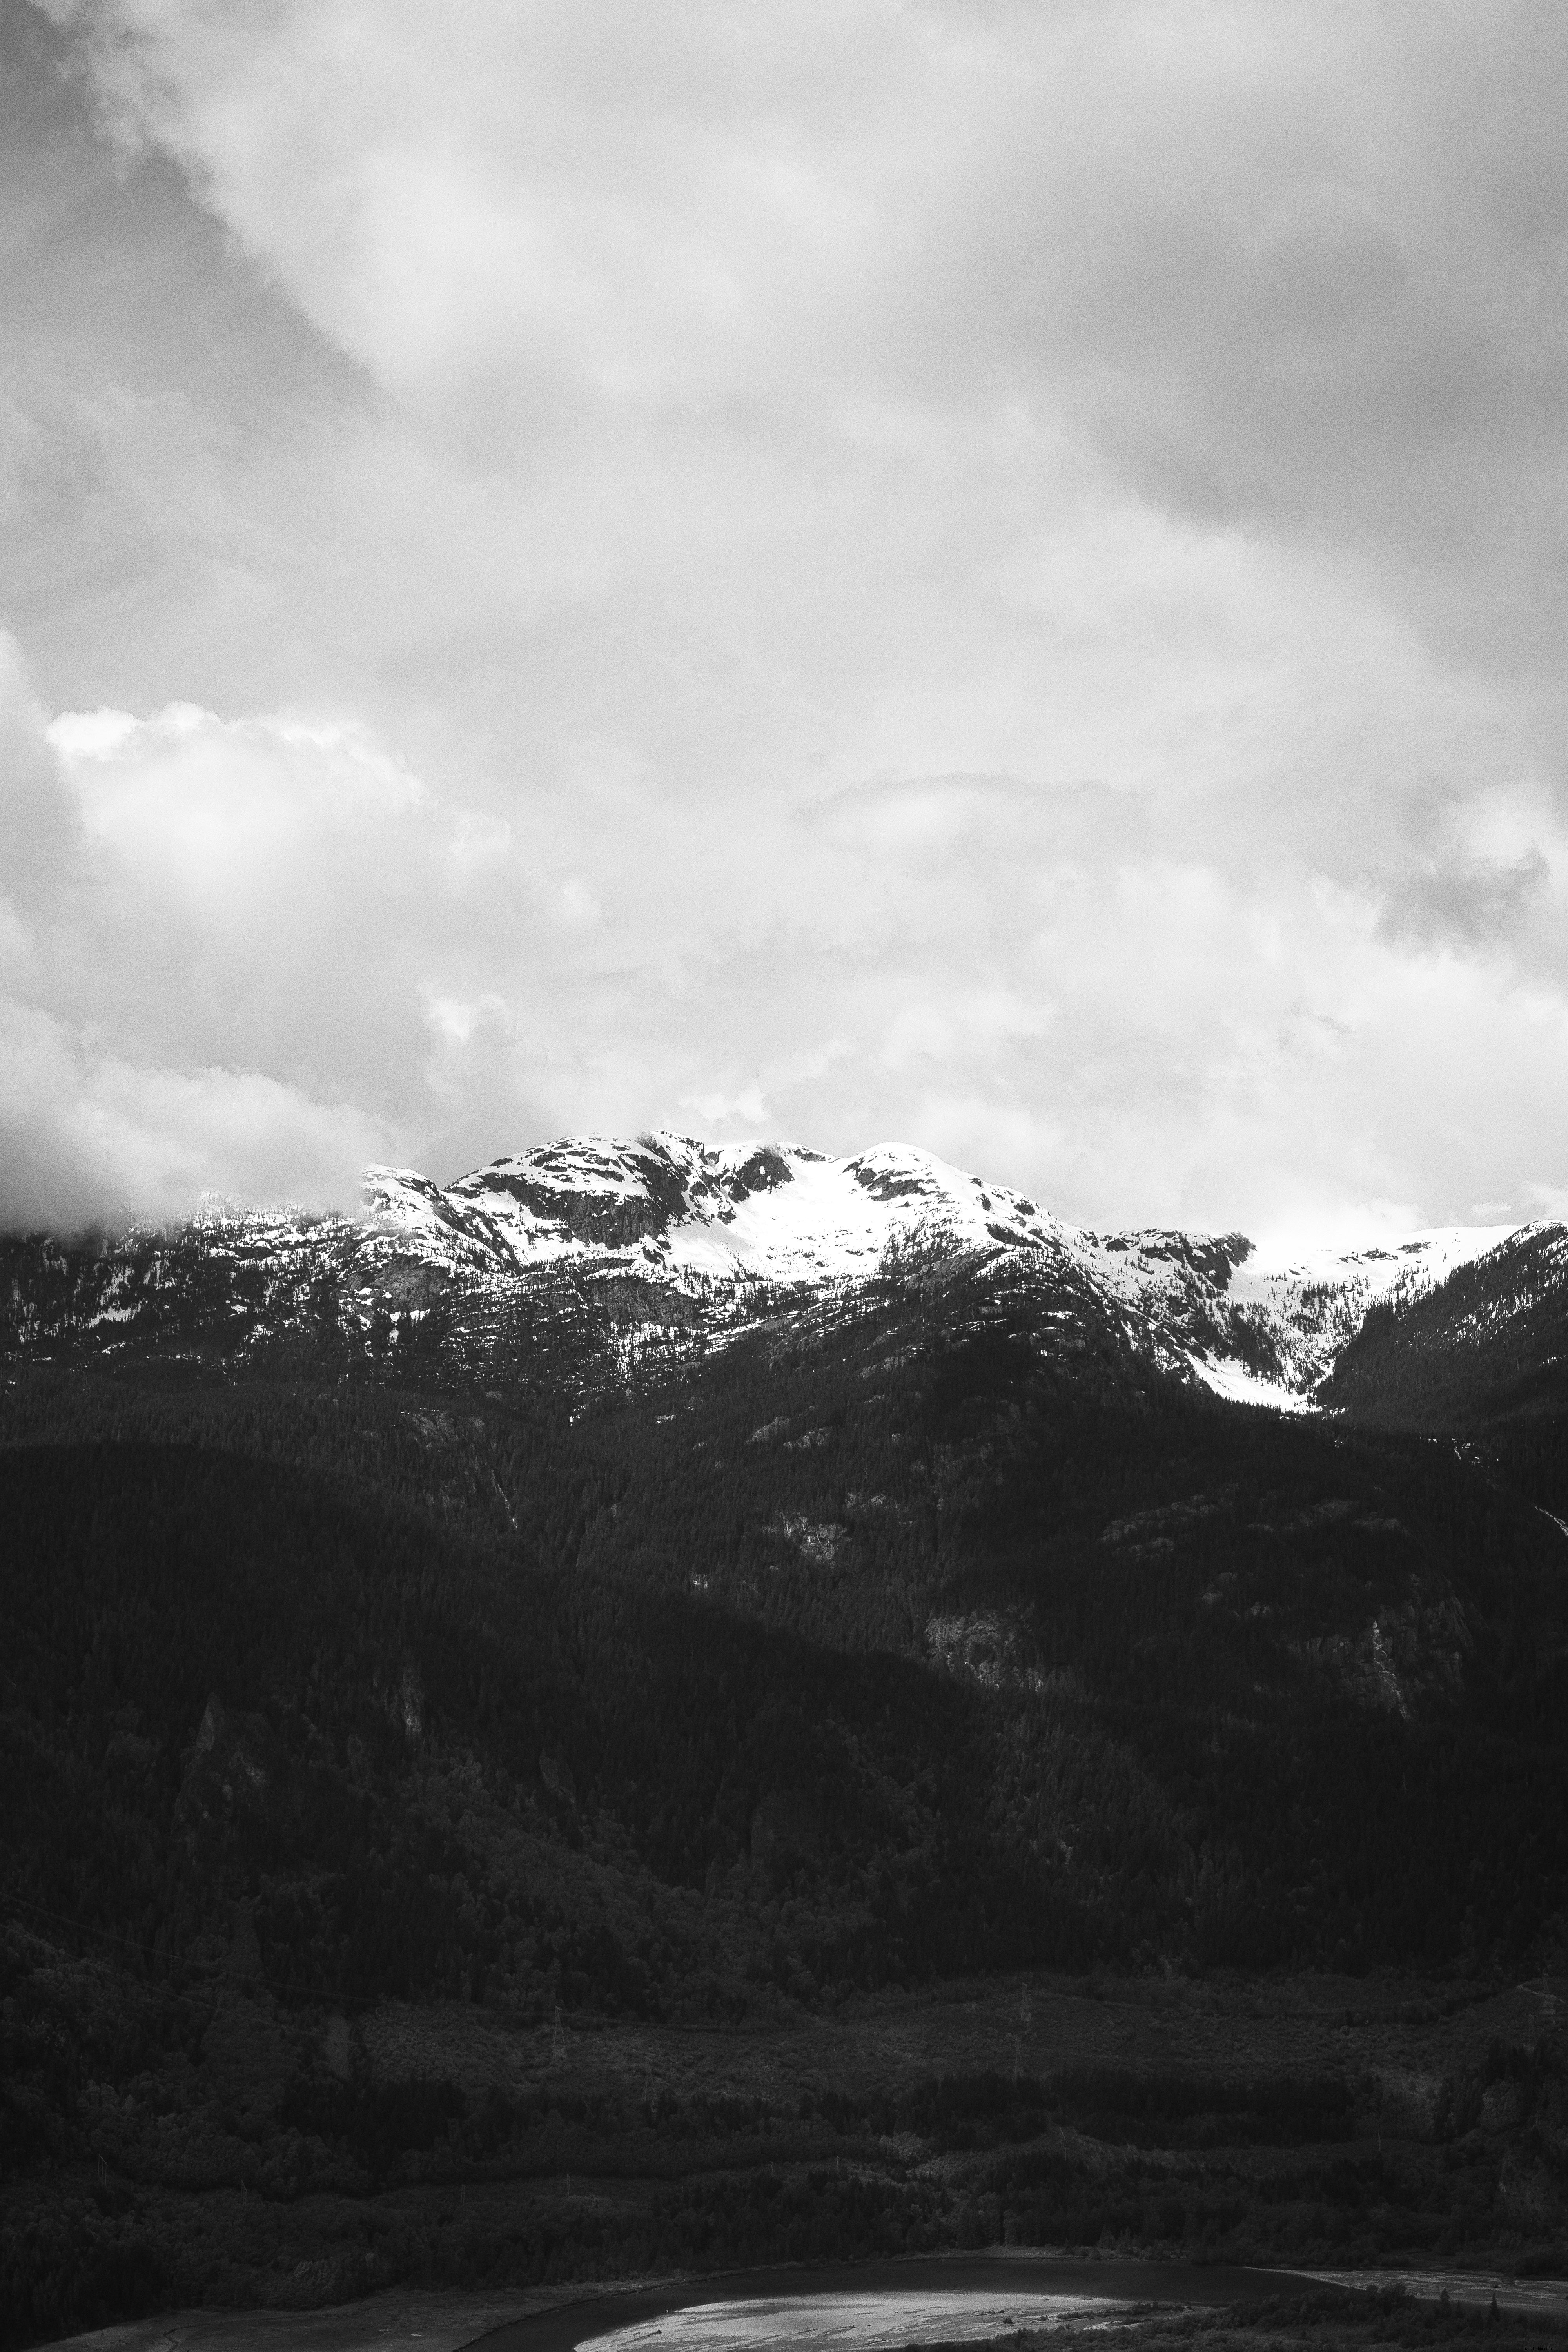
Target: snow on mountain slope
x,y
698,1217
773,1212
690,1241
1318,1298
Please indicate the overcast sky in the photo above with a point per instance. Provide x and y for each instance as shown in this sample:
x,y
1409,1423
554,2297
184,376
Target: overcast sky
x,y
989,576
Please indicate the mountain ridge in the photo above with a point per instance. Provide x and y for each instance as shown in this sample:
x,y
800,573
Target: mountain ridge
x,y
660,1242
434,1675
698,1216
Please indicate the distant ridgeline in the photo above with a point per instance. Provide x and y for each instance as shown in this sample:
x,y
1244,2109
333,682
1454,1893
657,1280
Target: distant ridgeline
x,y
577,1264
679,1590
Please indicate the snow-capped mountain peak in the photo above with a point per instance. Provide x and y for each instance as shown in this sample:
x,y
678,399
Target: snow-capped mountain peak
x,y
635,1238
773,1212
697,1216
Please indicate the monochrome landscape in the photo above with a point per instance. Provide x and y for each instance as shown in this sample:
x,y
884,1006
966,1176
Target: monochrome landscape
x,y
667,1706
783,1160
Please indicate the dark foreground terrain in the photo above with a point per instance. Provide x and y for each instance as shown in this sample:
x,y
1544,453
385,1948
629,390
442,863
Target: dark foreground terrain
x,y
889,1783
1388,2320
1309,2322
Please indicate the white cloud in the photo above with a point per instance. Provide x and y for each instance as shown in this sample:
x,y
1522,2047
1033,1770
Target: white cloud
x,y
262,951
205,983
987,576
89,1134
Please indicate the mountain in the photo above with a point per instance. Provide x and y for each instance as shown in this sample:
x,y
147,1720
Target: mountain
x,y
706,1219
666,1705
669,1237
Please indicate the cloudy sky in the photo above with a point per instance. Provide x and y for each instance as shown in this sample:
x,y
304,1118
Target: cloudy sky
x,y
989,575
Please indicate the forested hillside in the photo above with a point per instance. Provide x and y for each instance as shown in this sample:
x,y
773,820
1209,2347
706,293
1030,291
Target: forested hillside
x,y
919,1635
1481,1358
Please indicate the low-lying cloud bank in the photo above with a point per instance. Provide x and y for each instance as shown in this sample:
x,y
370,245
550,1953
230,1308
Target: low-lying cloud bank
x,y
247,957
89,1136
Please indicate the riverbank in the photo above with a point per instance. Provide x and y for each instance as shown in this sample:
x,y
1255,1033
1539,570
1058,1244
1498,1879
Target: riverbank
x,y
997,2297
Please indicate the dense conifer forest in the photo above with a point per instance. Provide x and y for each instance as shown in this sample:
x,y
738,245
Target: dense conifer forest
x,y
401,1671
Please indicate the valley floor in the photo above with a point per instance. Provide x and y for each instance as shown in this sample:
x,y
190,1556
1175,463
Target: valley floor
x,y
1313,2122
976,2301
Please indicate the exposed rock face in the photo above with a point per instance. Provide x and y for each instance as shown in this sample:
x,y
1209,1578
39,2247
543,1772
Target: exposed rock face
x,y
585,1195
763,1172
409,1707
233,1772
